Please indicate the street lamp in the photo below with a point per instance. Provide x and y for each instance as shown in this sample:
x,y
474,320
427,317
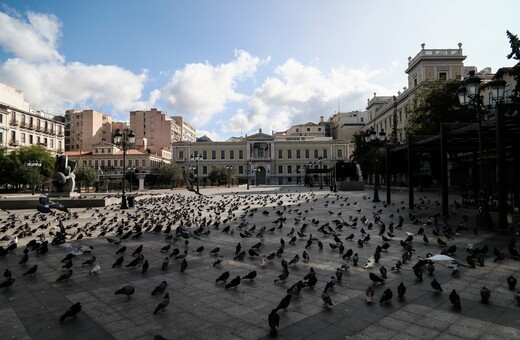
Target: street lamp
x,y
320,161
248,168
229,168
370,137
469,94
124,140
33,165
196,159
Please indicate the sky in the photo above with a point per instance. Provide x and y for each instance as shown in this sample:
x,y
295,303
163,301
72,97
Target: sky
x,y
231,67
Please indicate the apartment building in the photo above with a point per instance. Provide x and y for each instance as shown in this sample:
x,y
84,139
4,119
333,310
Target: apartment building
x,y
188,132
84,128
154,131
20,125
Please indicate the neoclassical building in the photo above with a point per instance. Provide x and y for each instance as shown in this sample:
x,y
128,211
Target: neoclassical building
x,y
277,159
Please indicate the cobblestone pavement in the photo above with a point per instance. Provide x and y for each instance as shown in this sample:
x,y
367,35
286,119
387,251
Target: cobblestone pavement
x,y
201,309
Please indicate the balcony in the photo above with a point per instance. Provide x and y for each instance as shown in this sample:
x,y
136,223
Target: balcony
x,y
14,142
22,124
13,122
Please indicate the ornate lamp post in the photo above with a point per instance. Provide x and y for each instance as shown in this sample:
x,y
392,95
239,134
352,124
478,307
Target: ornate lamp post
x,y
196,159
124,140
229,169
469,94
370,137
33,165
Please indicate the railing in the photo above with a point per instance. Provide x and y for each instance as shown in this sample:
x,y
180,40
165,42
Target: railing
x,y
14,142
13,122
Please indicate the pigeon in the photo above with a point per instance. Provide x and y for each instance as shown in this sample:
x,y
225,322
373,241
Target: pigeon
x,y
223,277
274,321
511,281
455,300
431,268
65,276
355,259
296,288
138,250
160,288
250,276
7,283
382,270
370,294
162,305
485,294
401,290
95,270
233,283
145,266
387,296
24,258
67,265
31,270
118,262
184,265
283,276
121,250
90,261
7,273
325,297
126,290
284,303
165,263
418,274
517,297
376,279
436,286
370,263
71,312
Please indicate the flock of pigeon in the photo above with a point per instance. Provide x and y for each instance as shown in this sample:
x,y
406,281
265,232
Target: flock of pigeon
x,y
279,231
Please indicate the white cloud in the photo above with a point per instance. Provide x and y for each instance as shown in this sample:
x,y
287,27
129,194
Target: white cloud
x,y
201,90
299,94
50,82
34,40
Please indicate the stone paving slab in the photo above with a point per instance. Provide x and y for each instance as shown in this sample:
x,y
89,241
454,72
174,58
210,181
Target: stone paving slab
x,y
201,309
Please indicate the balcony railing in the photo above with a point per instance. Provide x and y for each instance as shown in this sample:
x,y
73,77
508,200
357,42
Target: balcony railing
x,y
13,122
14,142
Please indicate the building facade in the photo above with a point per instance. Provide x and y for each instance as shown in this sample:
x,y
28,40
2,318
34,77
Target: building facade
x,y
261,158
84,128
188,132
20,125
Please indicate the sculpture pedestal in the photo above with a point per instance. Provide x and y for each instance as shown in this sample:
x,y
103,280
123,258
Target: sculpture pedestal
x,y
140,178
62,194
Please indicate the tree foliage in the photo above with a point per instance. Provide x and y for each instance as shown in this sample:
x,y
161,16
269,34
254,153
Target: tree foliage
x,y
14,171
515,54
438,104
86,177
170,174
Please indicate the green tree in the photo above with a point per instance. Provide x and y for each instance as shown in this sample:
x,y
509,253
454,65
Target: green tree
x,y
515,70
170,174
86,177
438,104
10,170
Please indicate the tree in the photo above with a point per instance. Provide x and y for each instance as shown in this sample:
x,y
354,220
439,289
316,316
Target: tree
x,y
515,70
10,169
170,174
438,104
86,176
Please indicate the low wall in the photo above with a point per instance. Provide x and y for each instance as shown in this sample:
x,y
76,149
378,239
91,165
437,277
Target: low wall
x,y
31,203
350,186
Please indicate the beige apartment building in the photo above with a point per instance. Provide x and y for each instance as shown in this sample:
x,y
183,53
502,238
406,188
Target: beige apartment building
x,y
277,159
154,131
20,125
84,128
188,132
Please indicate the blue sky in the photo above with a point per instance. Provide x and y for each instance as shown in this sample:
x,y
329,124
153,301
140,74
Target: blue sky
x,y
231,67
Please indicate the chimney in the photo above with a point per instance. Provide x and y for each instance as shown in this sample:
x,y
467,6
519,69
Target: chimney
x,y
260,130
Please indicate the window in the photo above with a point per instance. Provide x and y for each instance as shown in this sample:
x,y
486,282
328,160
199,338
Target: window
x,y
340,153
102,150
1,118
308,129
280,169
102,163
319,129
307,154
30,139
316,154
289,154
23,138
223,154
443,76
280,154
297,130
240,154
181,155
52,143
289,169
231,154
204,170
143,162
109,162
96,164
213,154
298,154
324,153
38,139
240,169
205,154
